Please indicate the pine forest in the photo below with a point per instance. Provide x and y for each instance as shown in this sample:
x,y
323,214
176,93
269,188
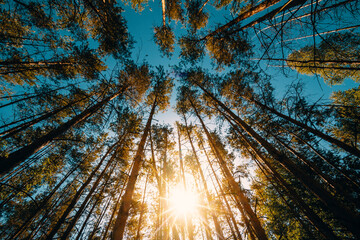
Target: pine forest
x,y
174,120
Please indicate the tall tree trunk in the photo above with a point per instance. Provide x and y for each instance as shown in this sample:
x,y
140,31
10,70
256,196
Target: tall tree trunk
x,y
317,222
189,224
350,219
142,210
113,213
76,197
180,157
43,204
163,6
87,198
350,180
340,144
224,197
11,132
256,9
218,229
259,231
17,157
223,193
119,227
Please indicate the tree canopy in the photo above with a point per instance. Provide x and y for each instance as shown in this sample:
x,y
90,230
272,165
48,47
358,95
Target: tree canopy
x,y
179,120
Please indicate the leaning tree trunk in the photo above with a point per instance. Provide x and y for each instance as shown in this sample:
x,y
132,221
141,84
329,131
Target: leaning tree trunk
x,y
11,132
317,222
87,198
252,11
119,227
225,199
76,197
350,218
17,157
338,143
259,230
218,229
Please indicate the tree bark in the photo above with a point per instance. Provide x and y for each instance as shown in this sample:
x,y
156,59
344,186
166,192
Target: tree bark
x,y
317,222
259,231
218,228
76,197
340,144
350,218
252,11
17,157
119,227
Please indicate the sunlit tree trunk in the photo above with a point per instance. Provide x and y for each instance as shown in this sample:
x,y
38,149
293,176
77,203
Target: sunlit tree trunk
x,y
309,213
11,132
222,191
259,231
76,197
87,198
120,223
350,218
142,210
340,144
219,232
267,4
113,214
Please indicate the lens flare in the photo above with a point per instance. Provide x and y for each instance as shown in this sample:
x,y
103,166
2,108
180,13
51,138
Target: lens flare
x,y
183,202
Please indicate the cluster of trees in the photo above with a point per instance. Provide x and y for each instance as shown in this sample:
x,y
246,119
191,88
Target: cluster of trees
x,y
81,156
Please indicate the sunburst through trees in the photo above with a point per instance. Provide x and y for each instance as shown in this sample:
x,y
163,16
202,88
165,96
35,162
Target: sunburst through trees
x,y
172,119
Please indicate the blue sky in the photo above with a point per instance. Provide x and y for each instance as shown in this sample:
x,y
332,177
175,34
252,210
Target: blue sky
x,y
141,24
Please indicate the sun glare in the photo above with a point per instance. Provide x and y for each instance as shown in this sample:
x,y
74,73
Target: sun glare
x,y
183,202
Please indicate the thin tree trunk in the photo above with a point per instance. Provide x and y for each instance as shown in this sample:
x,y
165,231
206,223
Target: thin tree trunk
x,y
142,210
317,133
76,197
188,222
271,14
11,132
351,181
163,6
79,212
180,157
17,157
252,11
218,228
309,213
259,231
350,219
119,227
225,199
113,214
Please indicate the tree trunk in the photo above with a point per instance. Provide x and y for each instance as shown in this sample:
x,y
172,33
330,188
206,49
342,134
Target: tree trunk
x,y
119,227
218,229
87,198
350,219
11,132
17,157
259,231
76,197
142,210
256,9
346,147
309,213
225,199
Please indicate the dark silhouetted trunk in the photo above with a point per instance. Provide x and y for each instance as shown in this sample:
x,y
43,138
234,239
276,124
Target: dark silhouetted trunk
x,y
17,157
119,227
259,231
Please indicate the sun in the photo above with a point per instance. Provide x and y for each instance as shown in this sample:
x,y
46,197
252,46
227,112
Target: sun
x,y
183,202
